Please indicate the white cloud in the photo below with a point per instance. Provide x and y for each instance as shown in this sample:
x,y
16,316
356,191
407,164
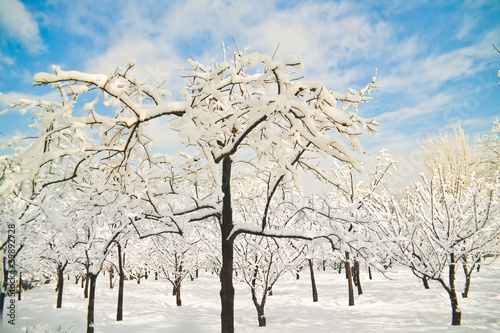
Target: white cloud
x,y
19,25
418,72
6,60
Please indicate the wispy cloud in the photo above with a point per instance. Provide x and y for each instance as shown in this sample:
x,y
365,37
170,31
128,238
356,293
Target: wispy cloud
x,y
436,103
19,26
425,72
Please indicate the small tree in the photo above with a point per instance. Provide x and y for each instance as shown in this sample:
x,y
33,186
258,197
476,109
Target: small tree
x,y
437,228
490,146
260,261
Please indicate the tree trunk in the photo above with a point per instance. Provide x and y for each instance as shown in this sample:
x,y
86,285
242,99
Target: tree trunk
x,y
313,281
370,272
468,274
425,281
90,309
349,279
261,317
86,291
358,279
177,285
178,295
465,294
121,280
20,286
226,273
111,277
60,284
456,313
353,274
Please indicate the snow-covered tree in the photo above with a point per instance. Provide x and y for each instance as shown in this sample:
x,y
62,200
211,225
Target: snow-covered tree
x,y
449,219
450,156
251,104
260,262
355,199
490,146
174,257
437,228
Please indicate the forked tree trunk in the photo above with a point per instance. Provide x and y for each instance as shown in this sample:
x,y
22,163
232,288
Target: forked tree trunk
x,y
90,309
468,274
313,281
226,273
349,279
456,314
121,280
261,317
425,281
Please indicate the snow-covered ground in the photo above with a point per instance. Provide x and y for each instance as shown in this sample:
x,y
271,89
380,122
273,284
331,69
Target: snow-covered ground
x,y
398,304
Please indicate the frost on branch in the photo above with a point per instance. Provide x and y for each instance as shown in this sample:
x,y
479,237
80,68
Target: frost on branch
x,y
258,103
253,101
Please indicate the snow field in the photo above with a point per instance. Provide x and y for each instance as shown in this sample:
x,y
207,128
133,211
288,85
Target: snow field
x,y
397,304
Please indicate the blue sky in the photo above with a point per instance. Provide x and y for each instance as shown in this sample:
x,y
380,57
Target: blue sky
x,y
435,59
